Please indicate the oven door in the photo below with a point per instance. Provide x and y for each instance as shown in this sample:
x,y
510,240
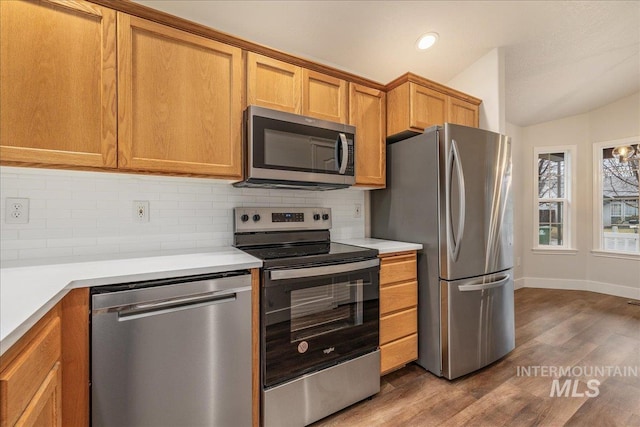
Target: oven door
x,y
315,317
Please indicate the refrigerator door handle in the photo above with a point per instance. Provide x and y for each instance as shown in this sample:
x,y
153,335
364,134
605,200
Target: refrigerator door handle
x,y
454,242
483,286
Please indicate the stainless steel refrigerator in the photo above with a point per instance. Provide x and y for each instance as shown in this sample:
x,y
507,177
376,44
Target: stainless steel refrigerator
x,y
450,189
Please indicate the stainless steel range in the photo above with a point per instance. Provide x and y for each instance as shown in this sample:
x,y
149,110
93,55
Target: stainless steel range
x,y
319,313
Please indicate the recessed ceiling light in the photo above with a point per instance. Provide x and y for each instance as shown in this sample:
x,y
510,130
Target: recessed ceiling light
x,y
426,41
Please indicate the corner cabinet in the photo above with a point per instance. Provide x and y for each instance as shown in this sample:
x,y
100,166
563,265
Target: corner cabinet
x,y
58,83
31,384
415,103
398,310
282,86
179,101
367,112
44,376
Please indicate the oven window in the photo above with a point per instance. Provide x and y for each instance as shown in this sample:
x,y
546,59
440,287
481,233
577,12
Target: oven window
x,y
324,309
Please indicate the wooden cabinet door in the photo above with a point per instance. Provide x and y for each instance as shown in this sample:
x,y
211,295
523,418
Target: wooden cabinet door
x,y
367,112
44,410
179,101
26,381
273,84
324,97
462,113
58,83
428,107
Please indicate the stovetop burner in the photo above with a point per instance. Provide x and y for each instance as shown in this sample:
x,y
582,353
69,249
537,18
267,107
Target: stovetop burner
x,y
292,237
306,254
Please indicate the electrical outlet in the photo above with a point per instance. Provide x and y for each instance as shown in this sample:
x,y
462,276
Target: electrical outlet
x,y
357,211
16,210
140,211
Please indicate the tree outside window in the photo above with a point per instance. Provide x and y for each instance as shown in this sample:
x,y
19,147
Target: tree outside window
x,y
553,197
618,193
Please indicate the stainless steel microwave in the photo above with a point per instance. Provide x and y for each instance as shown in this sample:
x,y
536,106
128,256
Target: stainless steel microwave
x,y
285,150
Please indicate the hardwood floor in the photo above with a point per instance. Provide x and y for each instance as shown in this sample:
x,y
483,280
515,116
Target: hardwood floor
x,y
553,328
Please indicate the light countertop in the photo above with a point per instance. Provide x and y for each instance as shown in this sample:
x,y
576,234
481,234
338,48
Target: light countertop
x,y
27,293
383,246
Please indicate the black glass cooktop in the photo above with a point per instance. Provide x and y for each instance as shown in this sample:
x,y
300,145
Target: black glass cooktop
x,y
308,254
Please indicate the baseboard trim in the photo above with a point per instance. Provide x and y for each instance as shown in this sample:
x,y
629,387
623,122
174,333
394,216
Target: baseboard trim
x,y
578,285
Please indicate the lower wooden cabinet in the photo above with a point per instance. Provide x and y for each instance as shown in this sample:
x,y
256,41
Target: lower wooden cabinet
x,y
44,376
398,310
30,384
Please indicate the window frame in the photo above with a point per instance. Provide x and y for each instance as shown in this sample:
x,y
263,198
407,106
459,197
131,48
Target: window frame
x,y
597,208
570,186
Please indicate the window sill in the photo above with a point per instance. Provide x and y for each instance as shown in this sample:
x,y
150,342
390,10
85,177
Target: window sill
x,y
554,251
617,255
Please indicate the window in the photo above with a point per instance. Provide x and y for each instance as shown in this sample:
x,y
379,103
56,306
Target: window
x,y
616,190
553,217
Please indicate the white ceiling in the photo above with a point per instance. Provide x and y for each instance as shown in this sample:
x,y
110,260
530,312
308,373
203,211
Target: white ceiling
x,y
561,57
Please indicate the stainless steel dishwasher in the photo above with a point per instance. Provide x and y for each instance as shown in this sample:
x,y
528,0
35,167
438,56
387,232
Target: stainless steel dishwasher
x,y
174,352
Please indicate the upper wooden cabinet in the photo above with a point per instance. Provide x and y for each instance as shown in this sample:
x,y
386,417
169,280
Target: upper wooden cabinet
x,y
367,113
324,97
273,84
58,83
179,101
285,87
462,112
415,103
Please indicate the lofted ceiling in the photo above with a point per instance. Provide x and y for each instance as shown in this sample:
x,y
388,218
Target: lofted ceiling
x,y
561,57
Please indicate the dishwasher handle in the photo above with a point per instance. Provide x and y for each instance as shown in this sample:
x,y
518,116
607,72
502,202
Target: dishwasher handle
x,y
172,305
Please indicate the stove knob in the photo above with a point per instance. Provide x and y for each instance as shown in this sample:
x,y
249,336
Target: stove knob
x,y
256,218
244,218
325,216
316,217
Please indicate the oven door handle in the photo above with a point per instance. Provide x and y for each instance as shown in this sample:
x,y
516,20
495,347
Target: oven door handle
x,y
298,273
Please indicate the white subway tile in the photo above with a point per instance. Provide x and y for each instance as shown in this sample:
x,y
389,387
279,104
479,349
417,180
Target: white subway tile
x,y
91,212
45,233
9,234
44,253
49,213
35,183
71,242
8,255
96,250
71,223
23,244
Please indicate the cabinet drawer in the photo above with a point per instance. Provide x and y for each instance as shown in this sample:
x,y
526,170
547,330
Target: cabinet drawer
x,y
26,373
398,353
398,297
398,325
398,269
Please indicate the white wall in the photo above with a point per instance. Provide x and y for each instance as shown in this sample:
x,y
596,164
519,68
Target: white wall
x,y
485,79
581,269
78,215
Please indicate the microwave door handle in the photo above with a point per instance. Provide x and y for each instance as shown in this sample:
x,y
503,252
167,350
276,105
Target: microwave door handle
x,y
344,160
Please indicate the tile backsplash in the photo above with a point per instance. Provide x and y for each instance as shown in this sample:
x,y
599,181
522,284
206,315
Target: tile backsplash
x,y
86,215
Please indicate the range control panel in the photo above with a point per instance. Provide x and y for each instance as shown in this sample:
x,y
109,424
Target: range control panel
x,y
281,219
